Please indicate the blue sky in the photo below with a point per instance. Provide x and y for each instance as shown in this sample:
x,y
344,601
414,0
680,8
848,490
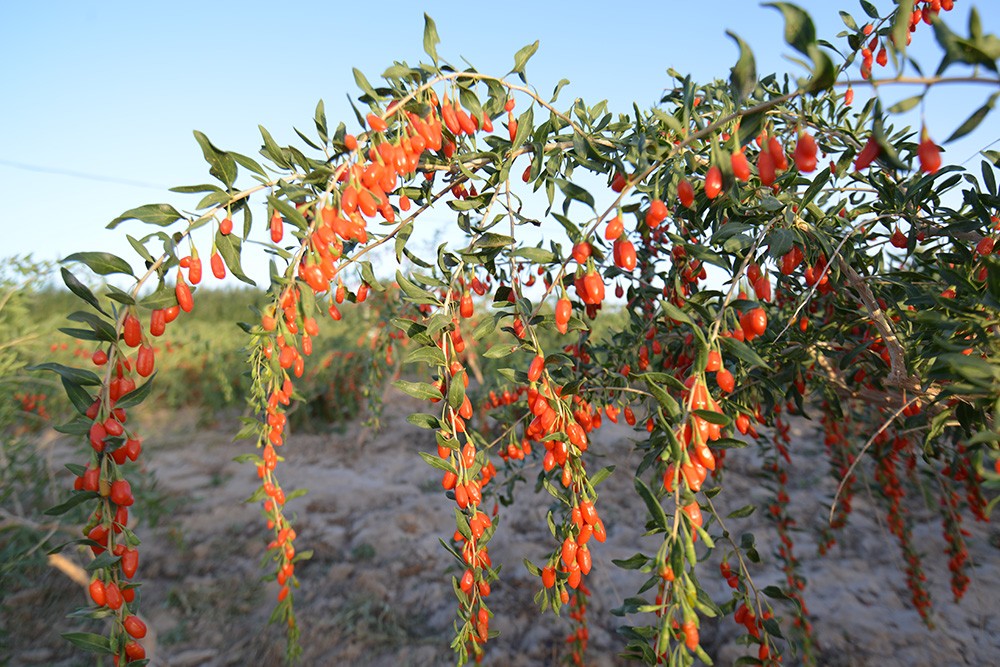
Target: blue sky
x,y
114,89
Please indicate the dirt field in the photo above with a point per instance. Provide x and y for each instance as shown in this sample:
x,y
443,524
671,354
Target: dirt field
x,y
377,590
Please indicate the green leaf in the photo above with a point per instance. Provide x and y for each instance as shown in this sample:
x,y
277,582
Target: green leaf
x,y
90,642
272,150
436,461
888,153
230,247
431,39
288,211
713,417
456,391
673,312
78,396
573,191
848,20
743,75
742,351
402,236
428,355
102,263
249,163
800,33
363,84
74,500
655,509
973,121
535,255
905,105
368,275
137,395
413,293
79,289
422,390
601,475
161,215
525,125
742,512
75,375
636,562
421,420
774,593
221,164
665,400
102,562
104,329
521,59
471,102
901,26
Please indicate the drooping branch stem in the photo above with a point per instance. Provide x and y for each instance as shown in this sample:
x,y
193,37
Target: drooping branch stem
x,y
898,376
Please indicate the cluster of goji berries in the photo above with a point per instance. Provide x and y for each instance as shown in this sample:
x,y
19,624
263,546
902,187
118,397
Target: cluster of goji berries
x,y
114,444
33,403
876,49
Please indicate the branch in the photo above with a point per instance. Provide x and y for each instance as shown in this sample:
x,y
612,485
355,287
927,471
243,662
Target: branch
x,y
898,376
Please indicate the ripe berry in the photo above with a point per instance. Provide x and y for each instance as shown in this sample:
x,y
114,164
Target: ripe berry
x,y
867,155
929,154
685,193
97,592
713,182
741,167
614,229
725,381
805,153
535,370
656,214
765,167
135,627
121,493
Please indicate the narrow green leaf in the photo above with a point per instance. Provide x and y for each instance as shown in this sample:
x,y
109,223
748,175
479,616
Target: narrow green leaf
x,y
742,512
90,642
161,215
221,164
79,289
905,105
78,396
901,26
655,509
973,121
800,33
456,391
137,395
102,263
288,211
422,390
743,75
74,500
521,59
230,248
431,39
75,375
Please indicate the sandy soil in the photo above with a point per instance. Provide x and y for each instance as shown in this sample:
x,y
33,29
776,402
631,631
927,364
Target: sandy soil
x,y
377,590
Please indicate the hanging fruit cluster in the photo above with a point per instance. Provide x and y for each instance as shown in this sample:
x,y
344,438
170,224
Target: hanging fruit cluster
x,y
754,242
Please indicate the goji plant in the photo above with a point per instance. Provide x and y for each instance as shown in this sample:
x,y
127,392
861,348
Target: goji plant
x,y
775,247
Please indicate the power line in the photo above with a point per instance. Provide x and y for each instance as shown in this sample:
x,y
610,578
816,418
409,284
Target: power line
x,y
80,174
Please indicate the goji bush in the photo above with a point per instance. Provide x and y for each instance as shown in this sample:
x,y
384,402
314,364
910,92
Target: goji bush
x,y
774,247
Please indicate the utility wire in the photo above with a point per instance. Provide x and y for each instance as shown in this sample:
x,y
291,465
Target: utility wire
x,y
80,174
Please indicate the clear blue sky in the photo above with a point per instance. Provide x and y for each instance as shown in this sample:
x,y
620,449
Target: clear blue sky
x,y
114,89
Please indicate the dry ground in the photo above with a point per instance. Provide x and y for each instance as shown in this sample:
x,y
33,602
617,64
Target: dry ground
x,y
377,590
